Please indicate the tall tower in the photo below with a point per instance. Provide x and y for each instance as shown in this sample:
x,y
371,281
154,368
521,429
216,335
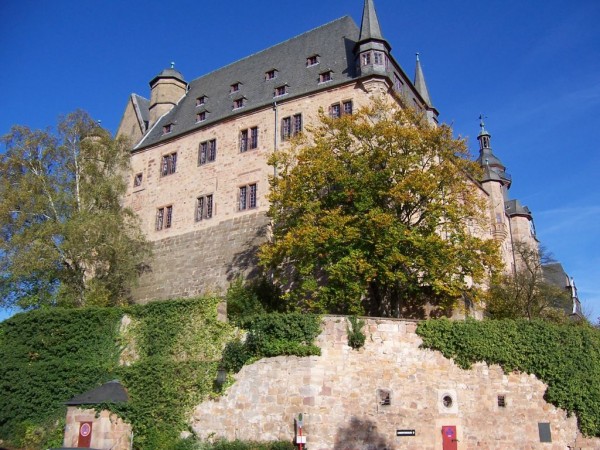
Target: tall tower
x,y
165,91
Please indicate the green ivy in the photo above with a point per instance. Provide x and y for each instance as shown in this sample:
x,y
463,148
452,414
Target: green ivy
x,y
273,334
49,356
564,356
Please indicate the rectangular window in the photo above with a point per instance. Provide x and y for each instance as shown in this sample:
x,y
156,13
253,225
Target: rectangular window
x,y
169,218
247,199
286,128
204,207
271,74
239,103
137,180
164,217
253,138
335,111
378,58
325,77
347,106
169,164
280,90
291,126
366,58
201,116
398,84
244,141
201,100
207,152
297,124
168,128
235,87
312,60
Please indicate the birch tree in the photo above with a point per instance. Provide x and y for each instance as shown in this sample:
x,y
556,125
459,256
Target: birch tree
x,y
65,238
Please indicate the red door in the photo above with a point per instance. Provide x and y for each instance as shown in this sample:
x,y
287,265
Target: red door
x,y
449,437
85,435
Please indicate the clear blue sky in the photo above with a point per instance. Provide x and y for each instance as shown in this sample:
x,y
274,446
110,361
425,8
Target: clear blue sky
x,y
532,67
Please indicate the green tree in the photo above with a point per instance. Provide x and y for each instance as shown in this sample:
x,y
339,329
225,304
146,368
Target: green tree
x,y
526,293
372,213
65,238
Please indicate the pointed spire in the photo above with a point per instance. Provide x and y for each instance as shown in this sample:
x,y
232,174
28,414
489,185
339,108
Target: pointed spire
x,y
420,84
369,27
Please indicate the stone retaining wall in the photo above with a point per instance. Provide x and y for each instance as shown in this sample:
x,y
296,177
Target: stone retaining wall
x,y
203,262
343,394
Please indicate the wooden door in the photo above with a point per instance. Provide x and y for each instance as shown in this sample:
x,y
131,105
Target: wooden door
x,y
85,435
449,437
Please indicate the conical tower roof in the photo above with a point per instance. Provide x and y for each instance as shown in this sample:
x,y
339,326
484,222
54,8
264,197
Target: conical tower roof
x,y
420,84
369,27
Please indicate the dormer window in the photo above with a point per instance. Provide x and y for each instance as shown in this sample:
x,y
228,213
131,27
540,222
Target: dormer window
x,y
280,90
239,103
201,116
235,87
312,60
271,74
168,128
201,100
325,76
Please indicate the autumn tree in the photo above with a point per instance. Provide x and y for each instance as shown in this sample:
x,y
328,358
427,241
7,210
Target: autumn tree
x,y
526,293
65,238
373,213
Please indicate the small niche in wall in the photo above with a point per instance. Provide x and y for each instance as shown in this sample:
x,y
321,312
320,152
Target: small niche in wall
x,y
384,397
501,401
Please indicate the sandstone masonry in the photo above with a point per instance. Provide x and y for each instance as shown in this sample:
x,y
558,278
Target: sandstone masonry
x,y
343,395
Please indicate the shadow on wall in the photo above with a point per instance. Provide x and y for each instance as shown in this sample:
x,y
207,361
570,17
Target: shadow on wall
x,y
360,435
245,261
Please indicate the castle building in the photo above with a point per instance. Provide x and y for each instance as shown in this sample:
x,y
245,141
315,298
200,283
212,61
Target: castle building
x,y
199,179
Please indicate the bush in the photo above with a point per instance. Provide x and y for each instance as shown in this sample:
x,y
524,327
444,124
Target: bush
x,y
273,335
356,337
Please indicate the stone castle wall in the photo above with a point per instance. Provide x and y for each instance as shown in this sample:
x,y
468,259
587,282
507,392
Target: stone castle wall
x,y
341,393
203,262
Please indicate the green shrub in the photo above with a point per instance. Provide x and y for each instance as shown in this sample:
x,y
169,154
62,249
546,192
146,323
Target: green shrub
x,y
564,356
356,337
273,335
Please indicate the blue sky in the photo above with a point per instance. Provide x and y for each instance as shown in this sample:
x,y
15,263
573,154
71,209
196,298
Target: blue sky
x,y
533,68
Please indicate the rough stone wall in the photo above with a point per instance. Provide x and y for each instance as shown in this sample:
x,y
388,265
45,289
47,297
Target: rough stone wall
x,y
203,261
108,430
340,393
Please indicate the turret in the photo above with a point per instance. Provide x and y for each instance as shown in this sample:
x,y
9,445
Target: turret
x,y
166,89
493,169
371,50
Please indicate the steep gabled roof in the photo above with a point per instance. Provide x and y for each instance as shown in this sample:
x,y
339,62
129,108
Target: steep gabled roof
x,y
332,42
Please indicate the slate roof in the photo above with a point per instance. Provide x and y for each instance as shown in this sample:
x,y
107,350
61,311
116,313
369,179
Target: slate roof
x,y
111,392
332,42
554,273
514,208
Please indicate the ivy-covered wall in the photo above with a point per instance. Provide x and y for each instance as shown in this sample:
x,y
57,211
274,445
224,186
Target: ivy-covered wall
x,y
565,357
172,350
